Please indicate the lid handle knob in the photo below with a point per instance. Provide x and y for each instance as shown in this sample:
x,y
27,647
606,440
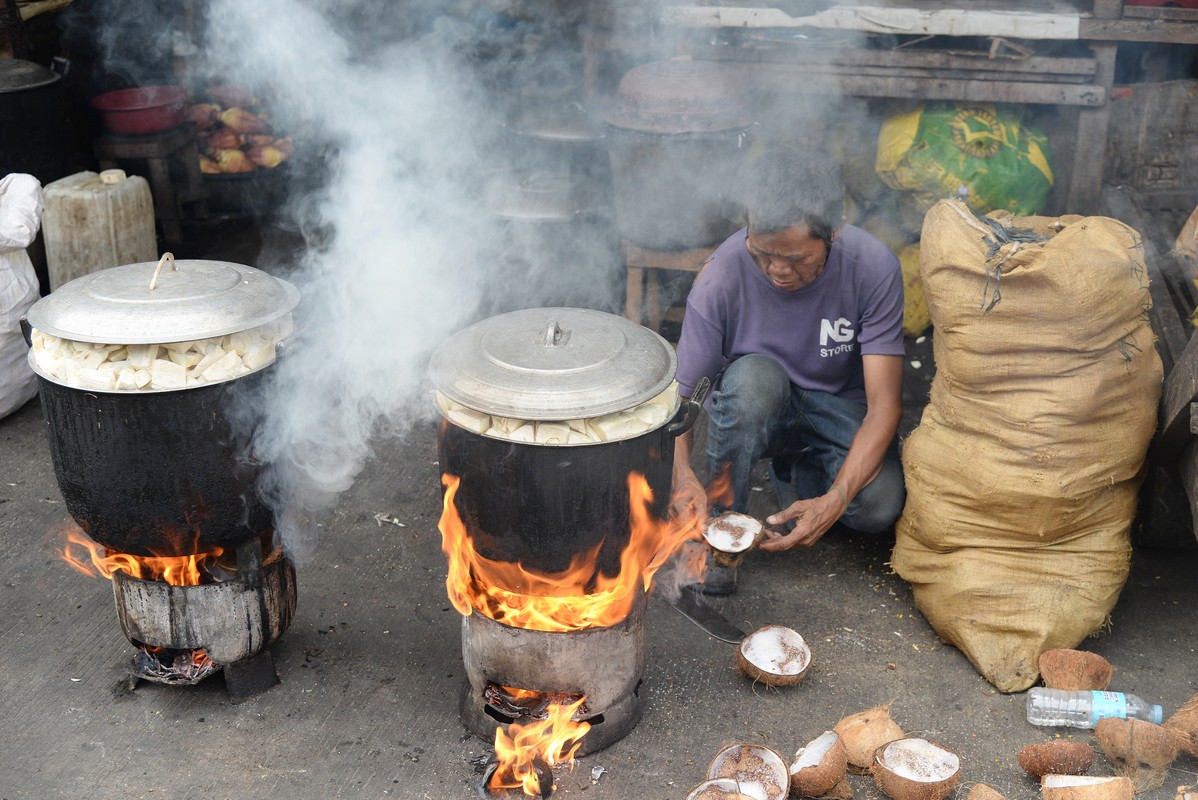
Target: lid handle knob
x,y
553,335
158,269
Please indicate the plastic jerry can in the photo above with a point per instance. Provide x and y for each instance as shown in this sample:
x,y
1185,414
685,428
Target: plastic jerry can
x,y
96,221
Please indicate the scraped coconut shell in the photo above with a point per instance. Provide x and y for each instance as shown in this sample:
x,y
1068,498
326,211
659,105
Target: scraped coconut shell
x,y
731,537
864,732
1086,787
1140,750
1184,725
761,772
818,766
1187,793
718,789
1075,670
1056,757
916,769
774,655
982,791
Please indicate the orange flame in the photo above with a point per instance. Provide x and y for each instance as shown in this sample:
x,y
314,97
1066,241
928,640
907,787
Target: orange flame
x,y
559,601
719,491
554,739
92,558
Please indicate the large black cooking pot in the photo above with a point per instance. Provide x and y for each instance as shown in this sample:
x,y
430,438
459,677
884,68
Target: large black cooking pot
x,y
543,504
158,471
32,121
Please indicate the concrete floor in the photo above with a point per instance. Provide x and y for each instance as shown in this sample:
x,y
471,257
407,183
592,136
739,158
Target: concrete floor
x,y
371,666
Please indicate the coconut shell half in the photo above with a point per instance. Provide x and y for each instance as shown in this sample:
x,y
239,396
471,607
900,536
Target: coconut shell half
x,y
916,769
1086,787
1056,757
731,536
1187,793
774,655
864,732
1139,750
718,789
760,771
1075,670
1184,724
818,766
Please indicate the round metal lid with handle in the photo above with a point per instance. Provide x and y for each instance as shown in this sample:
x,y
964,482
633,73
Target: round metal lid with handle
x,y
152,303
553,364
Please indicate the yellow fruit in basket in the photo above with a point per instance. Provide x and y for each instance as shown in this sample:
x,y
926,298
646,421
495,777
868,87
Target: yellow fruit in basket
x,y
233,161
204,115
267,157
221,139
208,166
243,121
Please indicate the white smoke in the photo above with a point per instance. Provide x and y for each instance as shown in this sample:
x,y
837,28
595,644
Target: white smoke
x,y
399,256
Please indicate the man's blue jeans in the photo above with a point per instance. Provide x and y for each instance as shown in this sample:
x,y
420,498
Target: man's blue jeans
x,y
758,413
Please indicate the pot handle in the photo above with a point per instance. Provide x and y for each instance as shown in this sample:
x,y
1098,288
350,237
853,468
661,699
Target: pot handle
x,y
158,269
26,330
691,410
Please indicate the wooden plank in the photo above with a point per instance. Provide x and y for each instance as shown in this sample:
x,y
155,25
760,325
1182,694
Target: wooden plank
x,y
1033,68
794,78
1089,156
1155,12
1137,30
876,19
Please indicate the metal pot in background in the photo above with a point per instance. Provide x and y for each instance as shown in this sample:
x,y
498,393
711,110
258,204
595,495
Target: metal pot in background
x,y
678,132
556,242
32,121
541,505
157,472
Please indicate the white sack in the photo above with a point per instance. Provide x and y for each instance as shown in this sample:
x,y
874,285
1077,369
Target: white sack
x,y
20,216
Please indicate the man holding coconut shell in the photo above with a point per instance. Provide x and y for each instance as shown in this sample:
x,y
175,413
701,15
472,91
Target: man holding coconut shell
x,y
797,321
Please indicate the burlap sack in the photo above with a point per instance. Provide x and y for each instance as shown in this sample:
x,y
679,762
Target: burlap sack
x,y
1023,473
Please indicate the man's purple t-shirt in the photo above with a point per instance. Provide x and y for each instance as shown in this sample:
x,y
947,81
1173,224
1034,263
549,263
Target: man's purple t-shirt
x,y
817,333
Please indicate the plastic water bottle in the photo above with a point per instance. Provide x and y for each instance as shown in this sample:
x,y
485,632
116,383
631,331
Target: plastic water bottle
x,y
1084,709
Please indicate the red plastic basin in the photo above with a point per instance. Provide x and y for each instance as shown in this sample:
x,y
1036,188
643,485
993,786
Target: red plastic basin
x,y
143,109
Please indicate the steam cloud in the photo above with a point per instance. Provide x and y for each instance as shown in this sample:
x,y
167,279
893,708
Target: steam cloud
x,y
400,253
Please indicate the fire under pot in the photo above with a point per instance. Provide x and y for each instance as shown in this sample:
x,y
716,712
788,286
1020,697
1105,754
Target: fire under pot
x,y
556,449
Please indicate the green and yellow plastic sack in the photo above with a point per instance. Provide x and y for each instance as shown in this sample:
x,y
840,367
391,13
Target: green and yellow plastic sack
x,y
987,155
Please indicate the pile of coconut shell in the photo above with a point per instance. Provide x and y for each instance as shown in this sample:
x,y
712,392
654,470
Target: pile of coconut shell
x,y
871,743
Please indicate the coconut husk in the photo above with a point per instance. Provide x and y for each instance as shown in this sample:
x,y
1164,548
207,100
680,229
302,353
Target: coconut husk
x,y
1056,757
1184,725
982,791
1085,787
864,732
1074,670
901,787
1139,750
820,779
841,791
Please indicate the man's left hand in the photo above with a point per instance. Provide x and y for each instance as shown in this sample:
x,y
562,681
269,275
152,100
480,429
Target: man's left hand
x,y
812,520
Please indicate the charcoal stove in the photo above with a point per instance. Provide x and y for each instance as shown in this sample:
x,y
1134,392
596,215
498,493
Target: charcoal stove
x,y
183,634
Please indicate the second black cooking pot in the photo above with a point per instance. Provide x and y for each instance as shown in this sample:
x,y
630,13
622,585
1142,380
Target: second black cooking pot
x,y
157,469
542,503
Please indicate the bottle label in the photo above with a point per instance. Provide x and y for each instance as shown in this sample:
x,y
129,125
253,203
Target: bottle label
x,y
1109,704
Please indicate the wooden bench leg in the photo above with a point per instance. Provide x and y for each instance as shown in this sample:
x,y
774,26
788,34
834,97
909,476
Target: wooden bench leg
x,y
634,294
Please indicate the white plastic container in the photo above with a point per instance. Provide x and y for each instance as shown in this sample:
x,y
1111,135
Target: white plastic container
x,y
95,221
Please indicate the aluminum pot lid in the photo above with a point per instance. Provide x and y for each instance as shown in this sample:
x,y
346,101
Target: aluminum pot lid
x,y
673,97
17,75
553,364
164,301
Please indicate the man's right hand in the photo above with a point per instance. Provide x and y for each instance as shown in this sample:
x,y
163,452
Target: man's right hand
x,y
689,498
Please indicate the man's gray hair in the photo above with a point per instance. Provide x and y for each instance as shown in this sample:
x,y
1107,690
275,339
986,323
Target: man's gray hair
x,y
786,187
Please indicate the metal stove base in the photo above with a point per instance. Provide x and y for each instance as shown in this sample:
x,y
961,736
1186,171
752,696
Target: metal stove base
x,y
616,723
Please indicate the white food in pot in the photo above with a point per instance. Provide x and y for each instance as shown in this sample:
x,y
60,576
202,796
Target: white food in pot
x,y
147,367
619,425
